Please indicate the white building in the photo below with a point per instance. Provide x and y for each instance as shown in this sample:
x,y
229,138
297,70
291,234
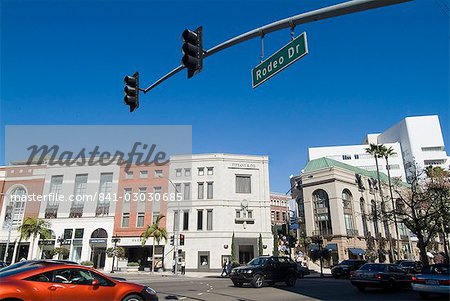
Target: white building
x,y
82,218
356,155
222,195
417,141
421,141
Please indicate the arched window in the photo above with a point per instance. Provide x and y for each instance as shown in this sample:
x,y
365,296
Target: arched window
x,y
348,213
322,213
375,218
16,207
347,199
363,216
320,198
99,233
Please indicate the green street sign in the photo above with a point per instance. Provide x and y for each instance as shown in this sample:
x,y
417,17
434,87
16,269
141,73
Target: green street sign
x,y
278,61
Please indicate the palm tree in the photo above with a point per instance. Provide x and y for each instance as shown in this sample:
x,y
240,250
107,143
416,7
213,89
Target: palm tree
x,y
376,151
386,153
32,227
158,233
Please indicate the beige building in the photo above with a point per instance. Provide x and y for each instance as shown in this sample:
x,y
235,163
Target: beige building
x,y
338,203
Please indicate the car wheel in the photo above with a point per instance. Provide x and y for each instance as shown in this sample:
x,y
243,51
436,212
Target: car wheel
x,y
335,276
258,281
291,281
301,275
133,298
424,295
361,288
238,284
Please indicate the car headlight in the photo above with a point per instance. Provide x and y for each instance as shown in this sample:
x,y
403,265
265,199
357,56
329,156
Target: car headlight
x,y
150,290
248,271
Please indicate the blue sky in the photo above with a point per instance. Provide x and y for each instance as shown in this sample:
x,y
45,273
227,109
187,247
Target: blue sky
x,y
63,62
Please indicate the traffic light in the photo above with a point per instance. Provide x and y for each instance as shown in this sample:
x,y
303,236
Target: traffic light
x,y
132,91
181,239
172,240
192,51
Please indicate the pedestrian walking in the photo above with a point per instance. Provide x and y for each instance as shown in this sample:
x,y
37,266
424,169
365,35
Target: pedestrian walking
x,y
224,268
228,268
173,266
183,267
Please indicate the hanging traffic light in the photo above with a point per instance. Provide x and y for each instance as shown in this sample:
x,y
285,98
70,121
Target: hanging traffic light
x,y
131,90
192,51
172,239
181,239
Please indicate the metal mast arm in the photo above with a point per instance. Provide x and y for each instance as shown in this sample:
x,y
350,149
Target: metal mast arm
x,y
315,15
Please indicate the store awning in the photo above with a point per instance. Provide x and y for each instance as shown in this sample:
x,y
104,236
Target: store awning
x,y
356,251
331,247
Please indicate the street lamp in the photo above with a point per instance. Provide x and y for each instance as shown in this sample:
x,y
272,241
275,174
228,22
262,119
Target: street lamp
x,y
115,239
177,230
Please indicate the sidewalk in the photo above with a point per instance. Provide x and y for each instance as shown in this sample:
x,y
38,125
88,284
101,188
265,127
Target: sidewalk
x,y
165,274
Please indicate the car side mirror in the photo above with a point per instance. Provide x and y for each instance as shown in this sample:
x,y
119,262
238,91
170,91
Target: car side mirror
x,y
95,282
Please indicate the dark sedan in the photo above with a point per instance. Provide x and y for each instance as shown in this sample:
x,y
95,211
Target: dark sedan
x,y
380,275
411,267
344,268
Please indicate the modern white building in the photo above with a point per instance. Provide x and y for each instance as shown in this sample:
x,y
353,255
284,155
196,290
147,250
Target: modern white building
x,y
421,141
222,195
357,156
417,141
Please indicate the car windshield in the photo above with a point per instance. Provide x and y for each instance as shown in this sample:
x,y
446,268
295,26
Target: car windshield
x,y
258,261
18,270
437,270
372,267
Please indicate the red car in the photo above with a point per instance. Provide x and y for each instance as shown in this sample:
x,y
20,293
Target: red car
x,y
57,281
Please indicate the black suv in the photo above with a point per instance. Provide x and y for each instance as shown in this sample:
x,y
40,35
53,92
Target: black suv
x,y
344,268
265,269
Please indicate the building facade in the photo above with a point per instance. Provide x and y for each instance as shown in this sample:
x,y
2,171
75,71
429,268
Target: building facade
x,y
142,191
339,204
279,210
18,185
225,204
80,206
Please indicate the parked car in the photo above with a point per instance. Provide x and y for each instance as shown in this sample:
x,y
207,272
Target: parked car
x,y
381,275
32,262
302,271
411,267
344,268
265,269
52,280
434,279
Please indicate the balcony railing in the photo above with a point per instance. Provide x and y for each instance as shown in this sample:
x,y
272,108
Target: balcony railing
x,y
323,232
352,232
102,209
76,210
51,211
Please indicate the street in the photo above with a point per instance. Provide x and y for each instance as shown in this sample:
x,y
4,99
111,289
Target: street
x,y
309,288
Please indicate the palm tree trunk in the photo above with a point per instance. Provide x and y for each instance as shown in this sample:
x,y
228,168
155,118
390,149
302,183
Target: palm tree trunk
x,y
383,211
393,207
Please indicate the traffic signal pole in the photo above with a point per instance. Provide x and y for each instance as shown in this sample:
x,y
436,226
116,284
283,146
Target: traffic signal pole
x,y
315,15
